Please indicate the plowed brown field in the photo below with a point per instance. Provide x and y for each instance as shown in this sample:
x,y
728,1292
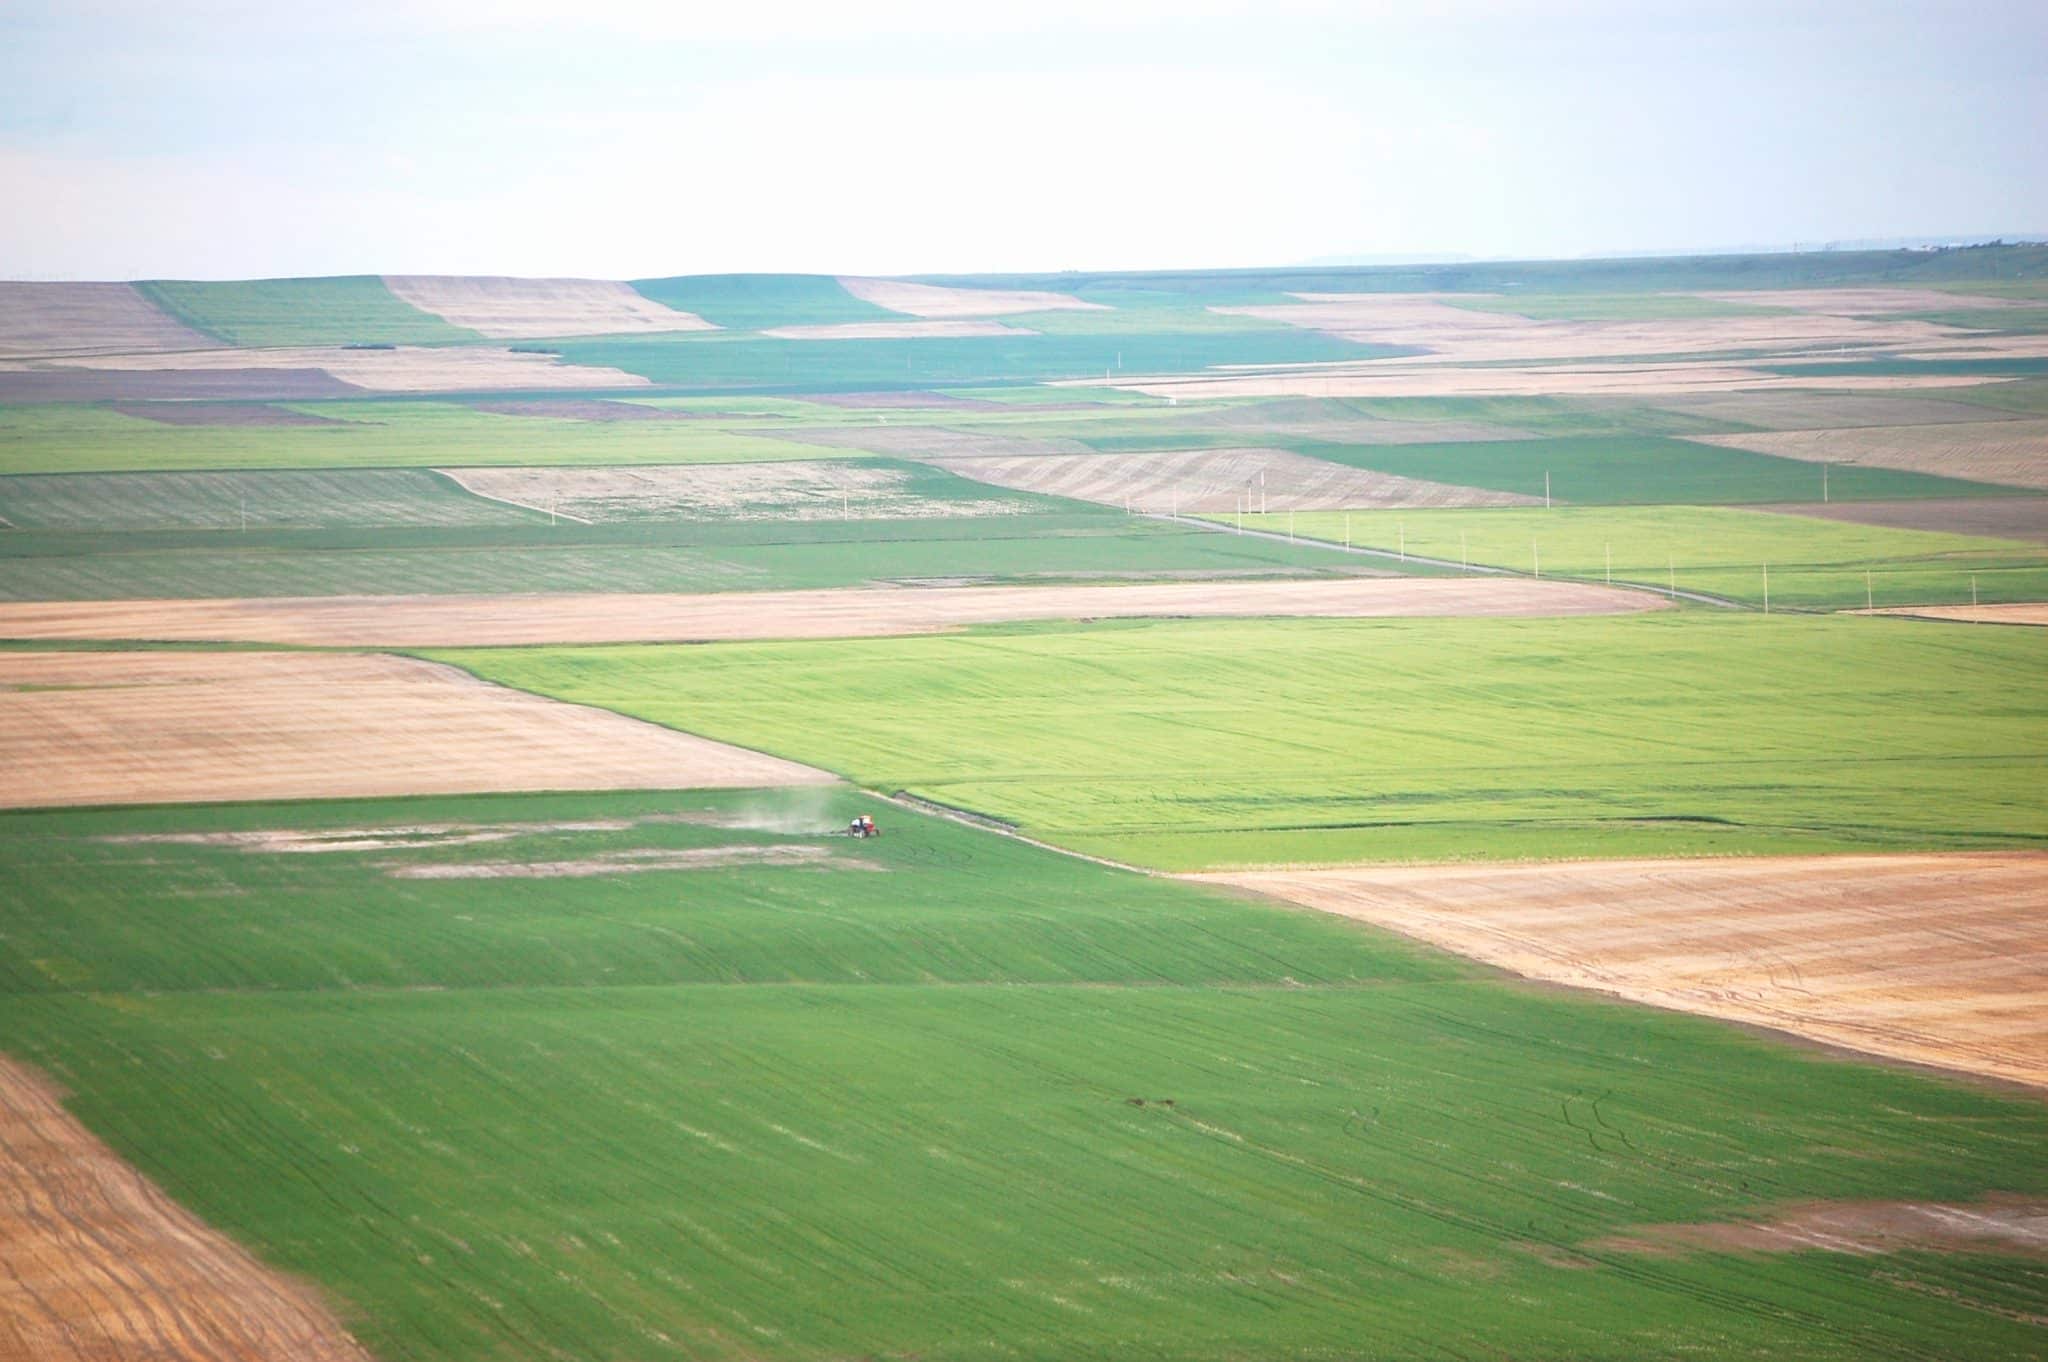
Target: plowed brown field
x,y
98,1265
2026,612
937,300
2014,453
485,621
1936,959
146,728
83,319
512,309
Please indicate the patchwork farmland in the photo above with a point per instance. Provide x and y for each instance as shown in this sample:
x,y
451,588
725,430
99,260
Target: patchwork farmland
x,y
1433,812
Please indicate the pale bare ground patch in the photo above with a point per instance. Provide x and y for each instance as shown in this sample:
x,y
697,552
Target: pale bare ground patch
x,y
633,861
1937,959
134,728
1996,1224
405,368
1220,480
1312,418
98,1265
938,300
1860,302
857,612
922,330
2016,612
927,441
1464,335
2014,453
1396,378
516,309
1803,410
2021,519
824,489
78,319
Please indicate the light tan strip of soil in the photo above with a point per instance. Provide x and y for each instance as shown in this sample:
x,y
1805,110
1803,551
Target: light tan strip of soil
x,y
146,728
1390,379
937,300
1935,959
405,368
98,1265
2024,612
2014,453
75,319
427,621
925,330
512,309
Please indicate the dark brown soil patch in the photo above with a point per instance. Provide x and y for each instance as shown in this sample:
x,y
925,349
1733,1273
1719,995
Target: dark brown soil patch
x,y
1995,517
220,414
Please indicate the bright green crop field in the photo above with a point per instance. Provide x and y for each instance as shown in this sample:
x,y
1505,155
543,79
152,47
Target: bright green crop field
x,y
941,1095
1813,563
348,310
1207,744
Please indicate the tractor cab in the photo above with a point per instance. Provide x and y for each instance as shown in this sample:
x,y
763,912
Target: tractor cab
x,y
863,826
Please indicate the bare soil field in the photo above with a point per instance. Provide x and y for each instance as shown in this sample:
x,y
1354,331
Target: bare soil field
x,y
2022,518
405,368
925,330
219,414
169,727
98,1265
2019,612
1310,418
2014,453
583,409
1934,959
486,621
82,319
1859,302
1462,334
936,300
516,309
1219,480
825,489
1828,411
916,401
929,442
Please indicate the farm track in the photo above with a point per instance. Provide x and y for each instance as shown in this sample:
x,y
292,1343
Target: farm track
x,y
1933,959
98,1265
858,612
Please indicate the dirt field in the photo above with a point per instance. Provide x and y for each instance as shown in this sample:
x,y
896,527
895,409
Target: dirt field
x,y
1219,480
1462,334
934,300
407,368
98,1265
2014,453
2022,518
1828,411
145,728
82,319
2022,612
99,385
926,330
1998,1224
428,621
827,489
1313,418
1937,959
924,401
514,309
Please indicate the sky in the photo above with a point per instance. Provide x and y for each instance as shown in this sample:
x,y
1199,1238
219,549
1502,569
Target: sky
x,y
626,138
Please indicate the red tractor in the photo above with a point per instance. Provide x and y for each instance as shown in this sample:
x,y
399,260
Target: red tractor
x,y
863,826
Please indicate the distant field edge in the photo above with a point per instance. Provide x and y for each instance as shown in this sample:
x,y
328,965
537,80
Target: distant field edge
x,y
1930,959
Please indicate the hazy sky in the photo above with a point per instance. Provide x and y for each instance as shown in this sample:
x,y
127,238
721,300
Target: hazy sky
x,y
614,139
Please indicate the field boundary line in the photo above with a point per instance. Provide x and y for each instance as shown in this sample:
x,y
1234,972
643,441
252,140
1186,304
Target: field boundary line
x,y
1002,828
548,511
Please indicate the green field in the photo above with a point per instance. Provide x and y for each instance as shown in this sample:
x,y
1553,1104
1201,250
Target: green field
x,y
1638,470
1813,563
347,310
258,499
51,438
754,302
531,555
889,1105
1208,744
